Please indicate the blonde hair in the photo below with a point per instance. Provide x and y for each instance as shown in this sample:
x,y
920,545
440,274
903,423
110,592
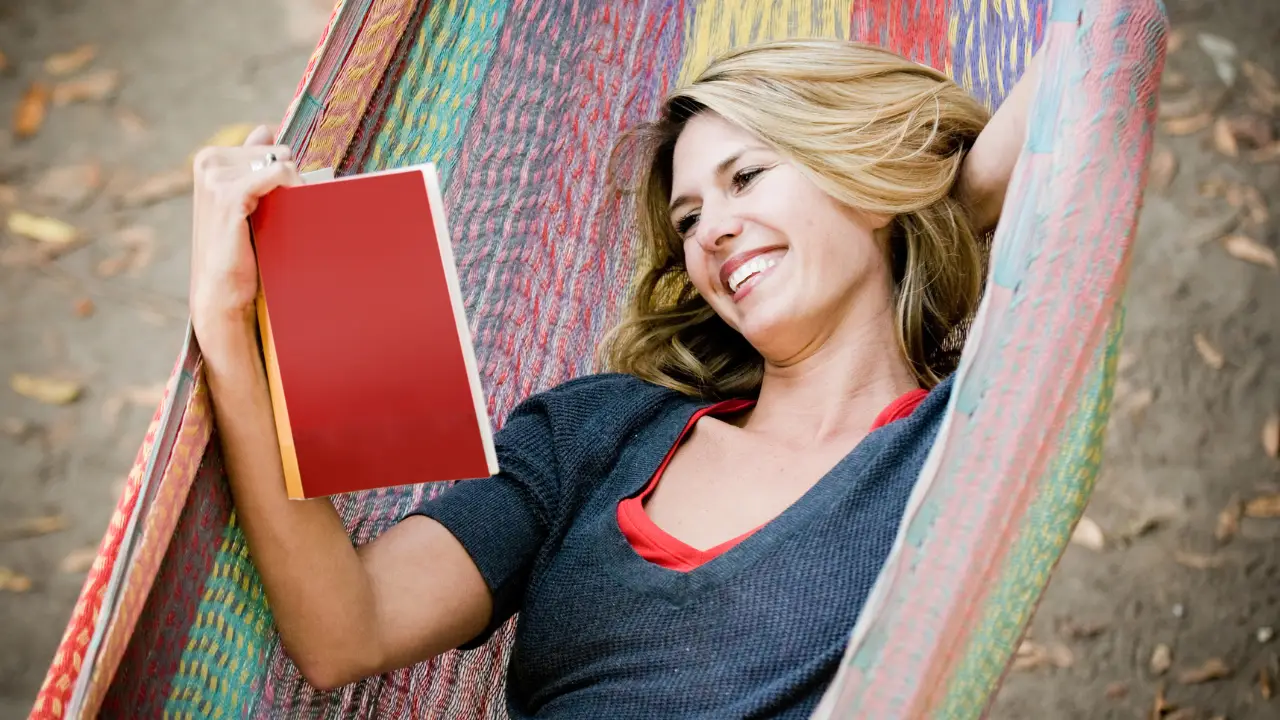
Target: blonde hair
x,y
873,130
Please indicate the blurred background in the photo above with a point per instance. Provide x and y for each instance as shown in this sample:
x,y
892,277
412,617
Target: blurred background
x,y
1167,602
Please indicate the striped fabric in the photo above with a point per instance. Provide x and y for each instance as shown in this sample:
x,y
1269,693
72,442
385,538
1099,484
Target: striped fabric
x,y
518,104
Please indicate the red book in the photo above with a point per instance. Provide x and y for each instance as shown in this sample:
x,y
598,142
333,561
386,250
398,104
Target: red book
x,y
373,377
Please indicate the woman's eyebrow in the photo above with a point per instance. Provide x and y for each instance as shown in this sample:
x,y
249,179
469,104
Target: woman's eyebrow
x,y
721,167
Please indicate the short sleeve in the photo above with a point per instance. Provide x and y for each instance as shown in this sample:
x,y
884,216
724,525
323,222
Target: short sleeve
x,y
502,521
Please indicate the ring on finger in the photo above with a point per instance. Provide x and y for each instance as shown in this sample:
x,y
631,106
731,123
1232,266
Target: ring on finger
x,y
257,165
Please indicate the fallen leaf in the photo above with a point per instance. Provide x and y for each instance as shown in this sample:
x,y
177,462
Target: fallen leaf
x,y
11,581
1030,656
1255,204
84,307
132,123
78,561
70,185
139,242
1117,691
34,527
32,110
1072,630
1271,435
1264,683
1242,247
1223,53
1212,187
1145,524
1263,506
1089,534
1211,355
71,61
230,135
1164,167
1229,520
45,389
42,229
1161,659
1266,91
1198,561
1161,705
1139,400
1212,669
1188,125
90,87
112,266
1270,153
157,187
1224,139
1180,106
1251,131
1174,80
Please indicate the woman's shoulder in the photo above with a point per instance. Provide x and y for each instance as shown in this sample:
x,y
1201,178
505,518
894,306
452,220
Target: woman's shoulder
x,y
601,401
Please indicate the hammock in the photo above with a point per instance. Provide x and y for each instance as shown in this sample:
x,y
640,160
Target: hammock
x,y
518,104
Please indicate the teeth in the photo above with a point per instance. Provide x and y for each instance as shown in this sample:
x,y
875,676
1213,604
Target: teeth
x,y
751,267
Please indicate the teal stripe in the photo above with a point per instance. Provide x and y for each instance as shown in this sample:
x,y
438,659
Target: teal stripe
x,y
434,100
225,656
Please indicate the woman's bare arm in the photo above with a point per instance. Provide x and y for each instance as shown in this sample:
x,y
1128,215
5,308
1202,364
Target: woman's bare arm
x,y
984,178
343,614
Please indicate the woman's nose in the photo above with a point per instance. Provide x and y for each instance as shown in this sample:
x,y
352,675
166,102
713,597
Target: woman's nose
x,y
717,227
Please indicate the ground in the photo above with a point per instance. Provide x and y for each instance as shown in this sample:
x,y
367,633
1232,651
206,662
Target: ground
x,y
1175,572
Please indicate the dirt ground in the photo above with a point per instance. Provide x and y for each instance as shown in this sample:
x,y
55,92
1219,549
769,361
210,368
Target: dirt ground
x,y
1172,589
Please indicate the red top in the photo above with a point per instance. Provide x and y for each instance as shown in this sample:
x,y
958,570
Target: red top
x,y
655,545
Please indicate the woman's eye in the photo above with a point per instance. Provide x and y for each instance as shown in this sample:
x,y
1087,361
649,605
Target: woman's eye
x,y
686,223
745,176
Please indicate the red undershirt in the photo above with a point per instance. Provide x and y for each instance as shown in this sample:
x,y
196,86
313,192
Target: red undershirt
x,y
655,545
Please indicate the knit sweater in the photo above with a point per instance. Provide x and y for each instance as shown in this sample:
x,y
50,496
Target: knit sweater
x,y
757,632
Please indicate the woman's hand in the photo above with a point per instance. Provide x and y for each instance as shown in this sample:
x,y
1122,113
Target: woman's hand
x,y
984,177
224,270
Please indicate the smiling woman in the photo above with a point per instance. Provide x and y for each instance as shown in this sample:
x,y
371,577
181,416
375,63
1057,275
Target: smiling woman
x,y
834,166
694,535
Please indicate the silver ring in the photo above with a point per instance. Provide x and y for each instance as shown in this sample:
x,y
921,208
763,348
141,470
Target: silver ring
x,y
257,165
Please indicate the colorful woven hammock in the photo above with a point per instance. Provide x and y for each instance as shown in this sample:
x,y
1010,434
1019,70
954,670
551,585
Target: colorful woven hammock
x,y
518,104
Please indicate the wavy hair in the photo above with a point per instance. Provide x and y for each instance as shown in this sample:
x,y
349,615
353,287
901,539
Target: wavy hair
x,y
873,130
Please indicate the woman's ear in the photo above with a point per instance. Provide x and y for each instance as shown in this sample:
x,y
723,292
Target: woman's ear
x,y
878,222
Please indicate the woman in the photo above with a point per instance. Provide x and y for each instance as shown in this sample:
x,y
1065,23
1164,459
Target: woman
x,y
695,533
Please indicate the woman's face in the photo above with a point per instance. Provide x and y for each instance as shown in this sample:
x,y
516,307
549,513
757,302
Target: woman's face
x,y
780,260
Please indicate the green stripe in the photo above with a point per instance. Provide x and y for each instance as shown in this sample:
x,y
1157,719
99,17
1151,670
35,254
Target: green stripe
x,y
434,100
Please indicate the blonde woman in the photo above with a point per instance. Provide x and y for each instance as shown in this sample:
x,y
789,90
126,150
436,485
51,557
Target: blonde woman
x,y
693,534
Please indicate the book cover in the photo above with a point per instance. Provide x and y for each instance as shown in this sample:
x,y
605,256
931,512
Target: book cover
x,y
373,377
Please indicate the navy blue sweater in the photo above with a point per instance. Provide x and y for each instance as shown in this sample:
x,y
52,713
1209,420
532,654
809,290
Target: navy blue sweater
x,y
602,633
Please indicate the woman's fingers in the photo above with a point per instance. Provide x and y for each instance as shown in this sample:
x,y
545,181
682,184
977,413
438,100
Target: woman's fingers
x,y
260,135
243,156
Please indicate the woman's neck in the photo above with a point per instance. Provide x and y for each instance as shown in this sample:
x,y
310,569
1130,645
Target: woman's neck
x,y
836,391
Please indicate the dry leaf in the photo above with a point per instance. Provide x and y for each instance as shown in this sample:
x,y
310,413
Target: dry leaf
x,y
1224,139
1117,691
1160,706
1229,520
1071,630
158,187
1271,435
1211,355
1030,656
1164,167
1251,131
1212,669
1174,80
72,61
45,389
42,229
84,307
1242,247
1263,506
1089,534
78,561
132,123
1223,54
1270,153
1139,400
32,110
1175,40
139,242
1198,561
71,185
1161,659
230,135
34,527
90,87
1188,125
11,581
1181,106
1253,202
1266,91
1264,683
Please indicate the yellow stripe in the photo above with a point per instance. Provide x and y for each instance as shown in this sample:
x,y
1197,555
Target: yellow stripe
x,y
720,25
